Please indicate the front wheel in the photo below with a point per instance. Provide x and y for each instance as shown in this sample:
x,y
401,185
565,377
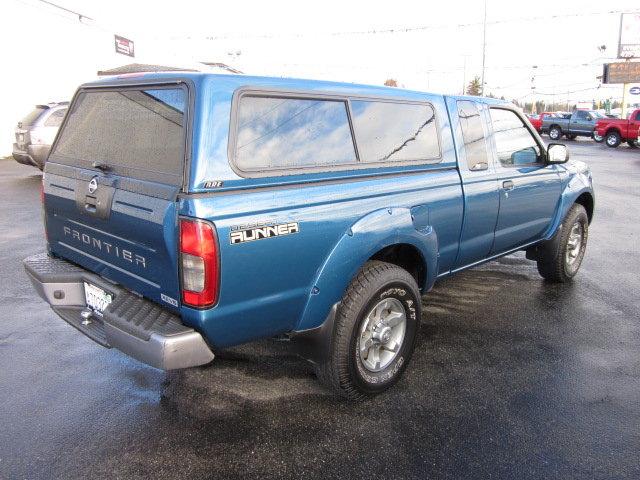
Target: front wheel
x,y
597,138
374,332
560,262
612,139
555,133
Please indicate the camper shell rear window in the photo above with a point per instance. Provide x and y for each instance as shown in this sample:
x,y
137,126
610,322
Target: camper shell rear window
x,y
136,132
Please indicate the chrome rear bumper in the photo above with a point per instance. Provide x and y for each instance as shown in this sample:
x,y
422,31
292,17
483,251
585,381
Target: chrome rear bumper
x,y
133,325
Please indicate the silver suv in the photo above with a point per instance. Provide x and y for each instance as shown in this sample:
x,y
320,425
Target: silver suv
x,y
36,131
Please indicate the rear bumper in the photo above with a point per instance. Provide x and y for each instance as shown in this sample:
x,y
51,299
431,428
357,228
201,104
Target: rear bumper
x,y
131,324
34,155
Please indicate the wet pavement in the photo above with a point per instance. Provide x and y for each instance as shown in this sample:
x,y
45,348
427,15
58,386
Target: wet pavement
x,y
512,377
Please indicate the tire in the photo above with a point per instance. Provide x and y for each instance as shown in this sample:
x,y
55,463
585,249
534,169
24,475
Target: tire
x,y
555,133
612,139
559,262
597,138
380,290
571,137
632,143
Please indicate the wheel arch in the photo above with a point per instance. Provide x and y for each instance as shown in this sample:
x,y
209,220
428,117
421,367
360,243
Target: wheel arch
x,y
613,129
406,256
388,235
586,200
575,193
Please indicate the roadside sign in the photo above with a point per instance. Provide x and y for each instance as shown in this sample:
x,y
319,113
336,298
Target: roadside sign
x,y
629,40
621,72
124,46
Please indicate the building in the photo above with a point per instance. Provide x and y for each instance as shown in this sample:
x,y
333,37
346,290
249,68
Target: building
x,y
48,52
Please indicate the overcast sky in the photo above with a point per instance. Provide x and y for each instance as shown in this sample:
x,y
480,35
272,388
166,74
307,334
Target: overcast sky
x,y
335,40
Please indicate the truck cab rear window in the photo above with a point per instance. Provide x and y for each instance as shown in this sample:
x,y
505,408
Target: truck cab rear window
x,y
473,135
277,133
137,133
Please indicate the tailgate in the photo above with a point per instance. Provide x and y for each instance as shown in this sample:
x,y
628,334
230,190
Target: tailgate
x,y
111,185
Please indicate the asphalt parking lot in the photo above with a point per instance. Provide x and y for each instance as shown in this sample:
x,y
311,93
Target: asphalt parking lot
x,y
512,377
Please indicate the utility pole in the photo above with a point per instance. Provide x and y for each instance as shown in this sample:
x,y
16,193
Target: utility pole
x,y
484,45
533,88
625,100
464,74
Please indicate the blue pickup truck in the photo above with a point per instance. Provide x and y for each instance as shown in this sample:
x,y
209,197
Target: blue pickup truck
x,y
186,213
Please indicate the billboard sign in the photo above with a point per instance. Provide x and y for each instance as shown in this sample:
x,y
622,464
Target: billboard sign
x,y
629,43
621,72
124,46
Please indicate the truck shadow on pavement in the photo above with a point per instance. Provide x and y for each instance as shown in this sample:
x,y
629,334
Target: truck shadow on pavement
x,y
466,321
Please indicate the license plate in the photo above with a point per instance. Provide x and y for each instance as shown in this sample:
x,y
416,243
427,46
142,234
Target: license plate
x,y
97,299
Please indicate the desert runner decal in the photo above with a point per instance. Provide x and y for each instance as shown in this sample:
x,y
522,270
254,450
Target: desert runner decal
x,y
259,231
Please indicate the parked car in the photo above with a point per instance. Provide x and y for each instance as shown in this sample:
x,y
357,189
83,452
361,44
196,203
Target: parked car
x,y
35,133
536,120
190,212
580,123
615,131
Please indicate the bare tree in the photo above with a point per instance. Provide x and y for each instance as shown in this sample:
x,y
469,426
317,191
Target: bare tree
x,y
391,82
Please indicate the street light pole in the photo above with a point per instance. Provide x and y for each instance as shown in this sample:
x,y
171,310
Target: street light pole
x,y
484,44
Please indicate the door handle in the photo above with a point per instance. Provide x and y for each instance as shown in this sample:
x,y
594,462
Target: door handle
x,y
507,185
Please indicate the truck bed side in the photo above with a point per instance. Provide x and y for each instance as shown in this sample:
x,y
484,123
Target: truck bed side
x,y
291,281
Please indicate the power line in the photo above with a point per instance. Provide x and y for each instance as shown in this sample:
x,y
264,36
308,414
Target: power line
x,y
55,5
384,31
561,93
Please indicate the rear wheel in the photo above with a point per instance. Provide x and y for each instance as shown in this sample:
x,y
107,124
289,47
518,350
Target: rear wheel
x,y
374,332
632,143
555,133
612,139
560,262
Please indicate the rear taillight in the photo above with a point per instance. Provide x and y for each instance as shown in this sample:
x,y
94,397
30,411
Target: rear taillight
x,y
199,263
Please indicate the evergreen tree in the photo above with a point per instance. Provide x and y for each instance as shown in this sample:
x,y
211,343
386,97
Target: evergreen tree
x,y
474,87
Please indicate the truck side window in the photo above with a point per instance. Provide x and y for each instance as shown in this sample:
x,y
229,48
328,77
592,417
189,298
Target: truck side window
x,y
638,116
395,132
475,143
581,115
515,145
287,133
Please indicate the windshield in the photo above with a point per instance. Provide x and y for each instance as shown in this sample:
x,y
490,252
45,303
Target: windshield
x,y
133,132
33,116
597,114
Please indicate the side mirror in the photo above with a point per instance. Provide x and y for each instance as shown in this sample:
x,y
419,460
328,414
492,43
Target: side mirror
x,y
589,117
557,153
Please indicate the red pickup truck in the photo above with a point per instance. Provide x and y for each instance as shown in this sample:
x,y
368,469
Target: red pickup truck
x,y
616,130
536,120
